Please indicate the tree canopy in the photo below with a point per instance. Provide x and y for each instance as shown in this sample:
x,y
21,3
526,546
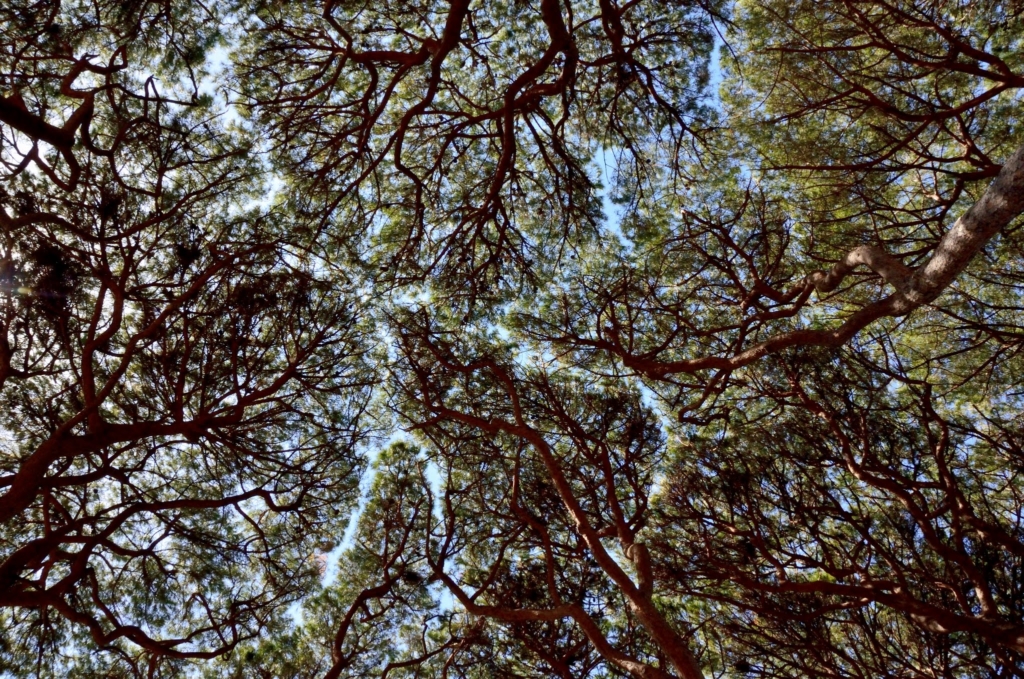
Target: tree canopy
x,y
531,338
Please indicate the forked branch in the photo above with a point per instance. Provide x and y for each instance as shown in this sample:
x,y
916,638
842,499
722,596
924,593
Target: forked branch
x,y
1002,202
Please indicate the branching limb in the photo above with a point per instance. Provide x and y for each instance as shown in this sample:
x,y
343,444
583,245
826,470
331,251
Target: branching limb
x,y
1002,202
892,270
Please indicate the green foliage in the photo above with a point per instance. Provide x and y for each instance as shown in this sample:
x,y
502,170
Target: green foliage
x,y
320,354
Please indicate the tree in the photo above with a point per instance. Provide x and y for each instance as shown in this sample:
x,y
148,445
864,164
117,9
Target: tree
x,y
183,386
460,132
763,421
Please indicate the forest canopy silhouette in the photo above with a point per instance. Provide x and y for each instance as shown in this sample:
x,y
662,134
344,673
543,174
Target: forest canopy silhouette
x,y
518,338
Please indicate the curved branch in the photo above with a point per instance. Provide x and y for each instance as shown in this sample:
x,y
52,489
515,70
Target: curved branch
x,y
999,205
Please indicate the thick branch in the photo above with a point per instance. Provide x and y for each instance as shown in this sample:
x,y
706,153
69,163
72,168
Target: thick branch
x,y
999,205
892,270
33,126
